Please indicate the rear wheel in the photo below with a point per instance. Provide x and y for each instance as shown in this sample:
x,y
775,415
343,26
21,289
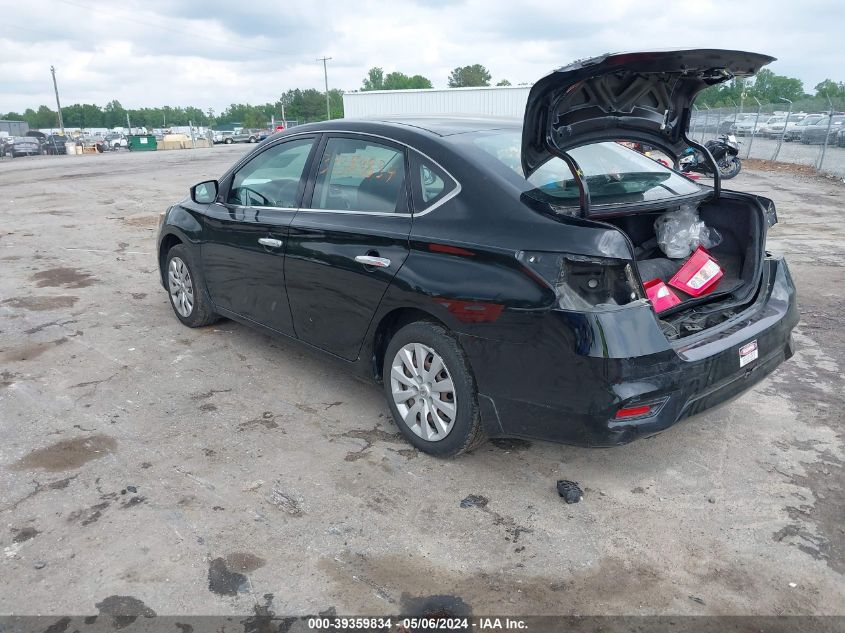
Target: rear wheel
x,y
184,287
228,141
431,390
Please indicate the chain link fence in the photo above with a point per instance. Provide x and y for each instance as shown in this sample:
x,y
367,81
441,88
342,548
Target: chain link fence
x,y
785,133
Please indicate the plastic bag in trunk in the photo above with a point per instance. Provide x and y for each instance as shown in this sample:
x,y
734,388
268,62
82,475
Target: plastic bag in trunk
x,y
680,232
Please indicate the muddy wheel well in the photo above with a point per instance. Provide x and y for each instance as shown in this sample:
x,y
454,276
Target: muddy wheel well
x,y
166,244
391,323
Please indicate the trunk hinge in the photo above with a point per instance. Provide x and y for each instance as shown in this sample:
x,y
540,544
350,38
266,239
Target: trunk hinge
x,y
717,175
583,188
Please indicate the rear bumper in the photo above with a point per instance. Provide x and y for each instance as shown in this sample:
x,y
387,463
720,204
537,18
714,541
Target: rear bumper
x,y
573,397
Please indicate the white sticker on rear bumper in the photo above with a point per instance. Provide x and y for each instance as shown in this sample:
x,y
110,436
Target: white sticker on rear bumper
x,y
747,353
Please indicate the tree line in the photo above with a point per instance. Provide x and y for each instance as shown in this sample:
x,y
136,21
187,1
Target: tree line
x,y
769,88
310,105
298,105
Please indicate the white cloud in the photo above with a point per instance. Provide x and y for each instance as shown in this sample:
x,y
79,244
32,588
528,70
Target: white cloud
x,y
210,53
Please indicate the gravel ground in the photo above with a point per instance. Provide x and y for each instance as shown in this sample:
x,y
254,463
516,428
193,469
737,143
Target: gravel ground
x,y
199,471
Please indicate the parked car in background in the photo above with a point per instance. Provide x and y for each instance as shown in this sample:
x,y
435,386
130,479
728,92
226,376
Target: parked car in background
x,y
826,127
24,146
749,122
115,141
767,129
223,136
793,132
777,128
246,136
493,289
840,138
56,144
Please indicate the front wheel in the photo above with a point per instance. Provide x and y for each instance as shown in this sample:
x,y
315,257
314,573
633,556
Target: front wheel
x,y
431,390
730,167
228,141
184,287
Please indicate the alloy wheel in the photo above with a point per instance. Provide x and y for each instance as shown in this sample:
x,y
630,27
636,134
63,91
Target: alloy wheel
x,y
181,287
423,391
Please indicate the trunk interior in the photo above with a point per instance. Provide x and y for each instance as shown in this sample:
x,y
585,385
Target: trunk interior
x,y
739,256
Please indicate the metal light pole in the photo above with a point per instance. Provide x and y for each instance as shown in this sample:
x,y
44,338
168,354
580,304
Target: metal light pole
x,y
58,105
326,76
783,131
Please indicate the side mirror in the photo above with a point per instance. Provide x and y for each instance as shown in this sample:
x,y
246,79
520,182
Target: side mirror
x,y
204,192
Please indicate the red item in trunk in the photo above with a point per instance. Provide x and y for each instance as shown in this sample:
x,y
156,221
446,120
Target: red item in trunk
x,y
699,274
660,295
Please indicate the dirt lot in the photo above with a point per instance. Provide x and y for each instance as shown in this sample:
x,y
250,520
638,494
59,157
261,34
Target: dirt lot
x,y
198,471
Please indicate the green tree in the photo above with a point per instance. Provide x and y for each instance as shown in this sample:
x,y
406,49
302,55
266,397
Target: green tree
x,y
504,82
114,114
374,79
769,87
829,88
466,76
45,118
255,118
401,81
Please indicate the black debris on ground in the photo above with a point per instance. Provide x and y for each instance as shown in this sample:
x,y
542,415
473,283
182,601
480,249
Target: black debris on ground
x,y
569,490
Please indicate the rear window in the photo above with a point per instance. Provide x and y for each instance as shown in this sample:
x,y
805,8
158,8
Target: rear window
x,y
614,173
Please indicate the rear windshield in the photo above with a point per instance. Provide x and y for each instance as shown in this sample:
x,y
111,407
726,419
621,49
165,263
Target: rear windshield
x,y
614,173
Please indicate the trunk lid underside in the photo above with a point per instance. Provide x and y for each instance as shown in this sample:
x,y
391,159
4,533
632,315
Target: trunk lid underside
x,y
644,97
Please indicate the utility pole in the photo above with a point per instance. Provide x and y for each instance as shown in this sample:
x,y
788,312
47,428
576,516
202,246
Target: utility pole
x,y
326,76
58,105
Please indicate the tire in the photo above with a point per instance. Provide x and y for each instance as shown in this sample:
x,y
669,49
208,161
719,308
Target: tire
x,y
456,433
196,311
731,169
252,139
228,141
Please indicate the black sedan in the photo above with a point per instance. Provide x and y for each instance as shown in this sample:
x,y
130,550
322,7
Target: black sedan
x,y
828,126
56,144
491,274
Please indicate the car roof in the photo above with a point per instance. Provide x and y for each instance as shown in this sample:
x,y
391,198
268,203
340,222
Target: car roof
x,y
448,126
438,126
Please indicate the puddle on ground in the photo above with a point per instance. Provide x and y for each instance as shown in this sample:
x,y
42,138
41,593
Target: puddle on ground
x,y
68,277
244,562
29,351
124,610
24,534
40,304
67,454
224,582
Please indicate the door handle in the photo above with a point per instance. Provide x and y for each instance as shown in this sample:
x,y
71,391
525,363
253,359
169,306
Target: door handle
x,y
370,260
269,241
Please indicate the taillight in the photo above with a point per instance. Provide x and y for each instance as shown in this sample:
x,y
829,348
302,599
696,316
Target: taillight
x,y
583,283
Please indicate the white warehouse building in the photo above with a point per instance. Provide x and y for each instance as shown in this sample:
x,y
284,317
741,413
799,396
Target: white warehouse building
x,y
500,101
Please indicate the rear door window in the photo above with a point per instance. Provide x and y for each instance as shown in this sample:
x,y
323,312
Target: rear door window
x,y
358,174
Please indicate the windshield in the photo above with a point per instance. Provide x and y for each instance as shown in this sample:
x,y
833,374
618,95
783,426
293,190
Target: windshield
x,y
614,173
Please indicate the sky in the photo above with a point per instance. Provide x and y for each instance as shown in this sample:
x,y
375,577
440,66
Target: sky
x,y
210,53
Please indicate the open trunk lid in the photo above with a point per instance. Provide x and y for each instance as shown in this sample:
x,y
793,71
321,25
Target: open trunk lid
x,y
643,97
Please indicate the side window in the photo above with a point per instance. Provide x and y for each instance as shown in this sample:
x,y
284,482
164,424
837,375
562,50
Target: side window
x,y
271,179
430,184
360,175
